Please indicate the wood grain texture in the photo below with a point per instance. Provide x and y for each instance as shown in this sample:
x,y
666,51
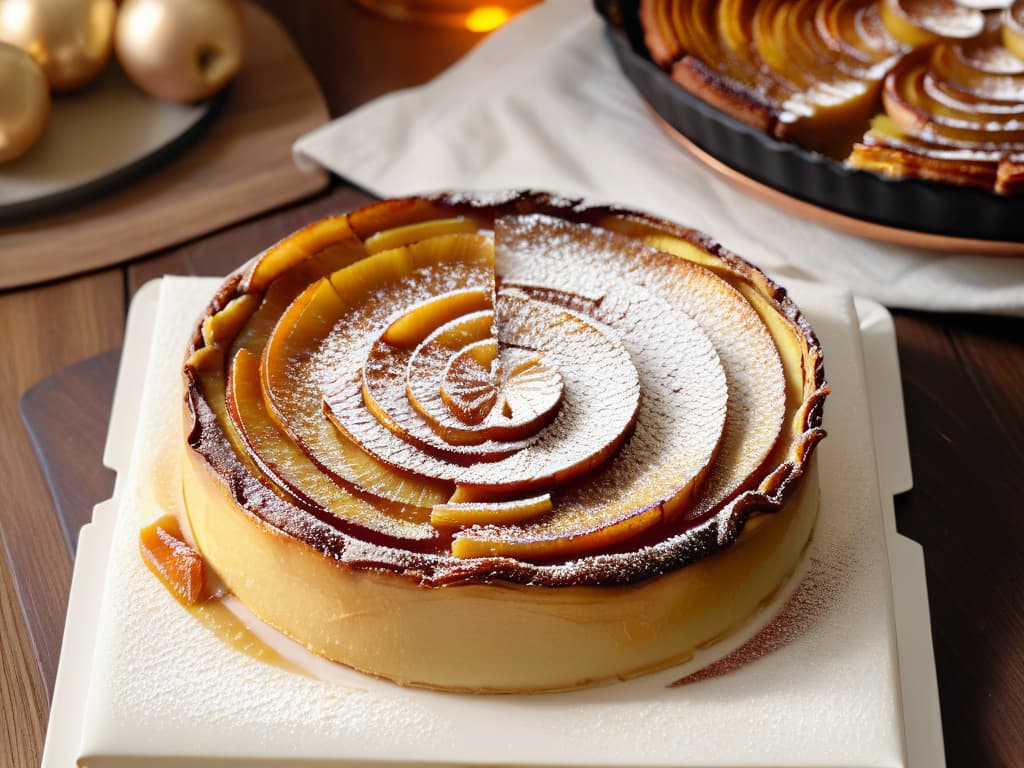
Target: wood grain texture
x,y
23,705
44,329
963,383
223,252
241,167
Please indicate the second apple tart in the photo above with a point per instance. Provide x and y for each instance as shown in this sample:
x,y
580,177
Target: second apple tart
x,y
501,443
925,89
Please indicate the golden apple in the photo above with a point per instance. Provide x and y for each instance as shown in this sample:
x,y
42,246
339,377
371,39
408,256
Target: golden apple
x,y
180,50
70,39
25,105
1013,29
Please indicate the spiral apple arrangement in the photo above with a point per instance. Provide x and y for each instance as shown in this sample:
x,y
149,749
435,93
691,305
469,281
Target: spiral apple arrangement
x,y
176,50
458,386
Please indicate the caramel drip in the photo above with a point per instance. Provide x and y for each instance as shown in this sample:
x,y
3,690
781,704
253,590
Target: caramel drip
x,y
236,634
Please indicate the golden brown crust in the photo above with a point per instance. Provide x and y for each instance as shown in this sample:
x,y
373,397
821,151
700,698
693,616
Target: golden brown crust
x,y
356,549
724,94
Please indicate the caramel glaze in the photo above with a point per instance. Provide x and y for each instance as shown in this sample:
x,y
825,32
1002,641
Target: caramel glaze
x,y
208,606
231,630
644,557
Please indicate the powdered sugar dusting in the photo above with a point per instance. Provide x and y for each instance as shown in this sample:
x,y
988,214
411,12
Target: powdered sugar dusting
x,y
819,594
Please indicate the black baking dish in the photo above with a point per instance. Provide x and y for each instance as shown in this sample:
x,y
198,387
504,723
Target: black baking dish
x,y
910,204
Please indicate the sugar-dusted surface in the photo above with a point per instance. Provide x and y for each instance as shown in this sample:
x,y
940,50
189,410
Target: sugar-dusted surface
x,y
602,391
162,685
589,262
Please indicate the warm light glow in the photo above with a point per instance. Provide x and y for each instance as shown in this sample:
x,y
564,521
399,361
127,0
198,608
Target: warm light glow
x,y
15,16
487,18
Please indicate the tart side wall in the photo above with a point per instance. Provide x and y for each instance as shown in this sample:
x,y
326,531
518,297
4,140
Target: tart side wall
x,y
545,638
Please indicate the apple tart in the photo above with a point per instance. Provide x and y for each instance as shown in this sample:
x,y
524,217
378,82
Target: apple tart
x,y
501,443
929,89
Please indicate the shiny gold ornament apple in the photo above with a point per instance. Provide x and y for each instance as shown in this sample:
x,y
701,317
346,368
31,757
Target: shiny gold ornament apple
x,y
24,102
70,39
180,50
1013,29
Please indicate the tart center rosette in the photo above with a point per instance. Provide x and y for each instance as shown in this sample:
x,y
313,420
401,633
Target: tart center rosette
x,y
437,432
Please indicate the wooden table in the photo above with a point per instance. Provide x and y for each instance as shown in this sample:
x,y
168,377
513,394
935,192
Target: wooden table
x,y
963,380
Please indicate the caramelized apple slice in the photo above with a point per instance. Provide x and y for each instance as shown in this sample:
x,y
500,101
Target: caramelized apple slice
x,y
223,326
315,241
490,513
834,96
457,376
890,150
292,393
600,379
399,388
392,214
529,394
768,63
660,37
469,386
773,350
471,334
412,327
293,274
980,74
179,567
855,31
644,484
733,22
460,266
924,22
500,542
385,397
735,81
413,233
286,464
912,102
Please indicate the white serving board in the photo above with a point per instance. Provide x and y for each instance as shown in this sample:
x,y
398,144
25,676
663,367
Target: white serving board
x,y
143,697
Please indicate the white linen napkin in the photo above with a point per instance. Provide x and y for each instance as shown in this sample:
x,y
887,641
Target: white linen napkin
x,y
542,103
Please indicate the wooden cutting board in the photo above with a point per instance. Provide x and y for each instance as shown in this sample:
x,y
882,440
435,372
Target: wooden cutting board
x,y
242,166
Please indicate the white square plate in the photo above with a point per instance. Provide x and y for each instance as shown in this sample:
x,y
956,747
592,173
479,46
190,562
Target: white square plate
x,y
142,683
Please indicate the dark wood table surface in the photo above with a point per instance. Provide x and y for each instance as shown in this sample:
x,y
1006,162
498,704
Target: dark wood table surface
x,y
963,385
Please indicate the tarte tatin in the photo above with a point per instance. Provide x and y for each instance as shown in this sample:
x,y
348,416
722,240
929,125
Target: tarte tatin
x,y
504,443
